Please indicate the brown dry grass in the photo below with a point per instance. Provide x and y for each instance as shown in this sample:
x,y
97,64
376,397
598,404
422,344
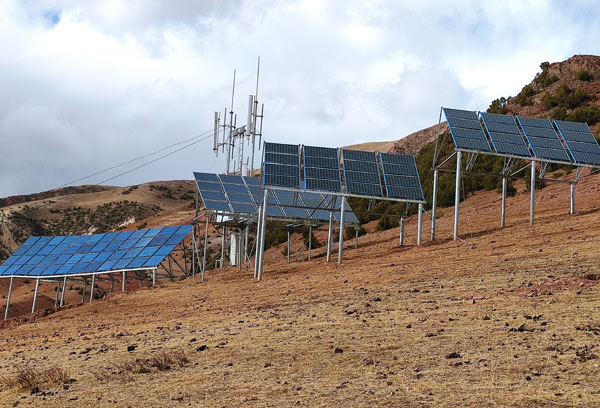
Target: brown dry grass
x,y
517,308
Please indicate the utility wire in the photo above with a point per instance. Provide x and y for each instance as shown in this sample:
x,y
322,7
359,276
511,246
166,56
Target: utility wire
x,y
155,160
137,158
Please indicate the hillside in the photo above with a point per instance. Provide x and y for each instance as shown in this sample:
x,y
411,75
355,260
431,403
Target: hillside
x,y
568,90
501,318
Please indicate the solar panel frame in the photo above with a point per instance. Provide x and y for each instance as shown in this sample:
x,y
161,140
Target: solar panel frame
x,y
92,254
361,172
401,180
504,134
580,142
543,140
466,130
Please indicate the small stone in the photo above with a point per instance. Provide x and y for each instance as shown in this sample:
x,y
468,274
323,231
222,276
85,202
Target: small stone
x,y
131,347
338,350
202,347
454,354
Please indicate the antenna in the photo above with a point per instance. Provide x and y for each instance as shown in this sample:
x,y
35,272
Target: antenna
x,y
234,137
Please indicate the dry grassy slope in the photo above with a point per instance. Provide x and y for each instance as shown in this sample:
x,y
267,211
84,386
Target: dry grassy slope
x,y
468,323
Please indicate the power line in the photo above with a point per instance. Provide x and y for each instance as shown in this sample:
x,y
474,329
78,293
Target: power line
x,y
155,160
138,158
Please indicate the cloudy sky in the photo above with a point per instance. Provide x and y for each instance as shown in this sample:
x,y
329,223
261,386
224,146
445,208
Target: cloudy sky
x,y
88,85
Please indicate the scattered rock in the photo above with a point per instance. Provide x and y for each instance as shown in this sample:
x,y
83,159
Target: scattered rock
x,y
131,347
338,350
202,347
454,354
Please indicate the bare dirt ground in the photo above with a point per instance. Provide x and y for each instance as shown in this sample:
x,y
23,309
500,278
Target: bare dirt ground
x,y
503,317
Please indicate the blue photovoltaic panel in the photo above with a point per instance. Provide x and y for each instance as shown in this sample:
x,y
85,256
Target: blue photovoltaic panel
x,y
94,253
361,172
321,169
466,130
580,141
542,138
401,176
505,134
281,165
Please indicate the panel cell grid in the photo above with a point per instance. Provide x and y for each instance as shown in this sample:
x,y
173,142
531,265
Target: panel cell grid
x,y
542,139
580,141
90,253
466,130
505,134
401,180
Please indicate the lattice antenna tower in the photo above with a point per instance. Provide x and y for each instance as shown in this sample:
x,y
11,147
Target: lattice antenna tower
x,y
231,139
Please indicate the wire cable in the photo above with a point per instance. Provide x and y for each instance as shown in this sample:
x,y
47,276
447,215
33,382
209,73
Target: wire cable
x,y
152,161
136,159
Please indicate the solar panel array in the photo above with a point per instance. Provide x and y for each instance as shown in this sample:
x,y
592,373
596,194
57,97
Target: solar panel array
x,y
322,169
401,176
88,254
242,195
281,165
505,134
361,172
466,130
580,141
542,138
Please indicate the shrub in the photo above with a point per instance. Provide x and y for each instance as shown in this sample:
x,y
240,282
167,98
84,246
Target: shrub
x,y
33,379
589,114
499,106
564,97
544,78
584,75
524,97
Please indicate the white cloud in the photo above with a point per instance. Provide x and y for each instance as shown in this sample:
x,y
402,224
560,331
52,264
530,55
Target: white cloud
x,y
87,85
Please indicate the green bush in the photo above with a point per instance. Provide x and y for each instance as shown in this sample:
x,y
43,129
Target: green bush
x,y
584,75
499,106
524,97
544,78
564,97
589,114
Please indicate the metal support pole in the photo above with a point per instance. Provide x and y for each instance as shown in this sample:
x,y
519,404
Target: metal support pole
x,y
92,288
37,286
262,235
84,290
309,241
356,239
123,281
62,295
532,189
257,242
401,231
240,250
503,215
8,298
572,206
330,235
154,277
457,194
204,251
288,247
419,223
112,284
223,247
246,254
194,246
341,241
56,296
434,203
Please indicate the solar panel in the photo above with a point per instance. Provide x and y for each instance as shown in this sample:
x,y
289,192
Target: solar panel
x,y
281,165
401,176
466,130
88,254
542,138
361,172
580,141
322,169
505,134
